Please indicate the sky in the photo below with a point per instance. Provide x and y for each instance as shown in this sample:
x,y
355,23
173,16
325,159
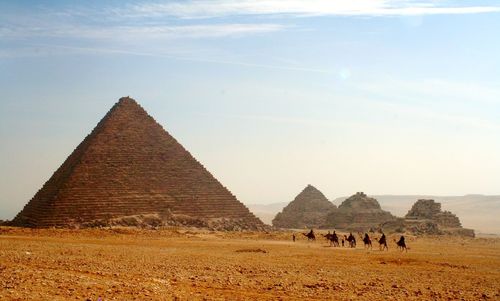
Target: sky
x,y
380,96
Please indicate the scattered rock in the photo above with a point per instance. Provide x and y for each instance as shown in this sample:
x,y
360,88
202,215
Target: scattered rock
x,y
258,250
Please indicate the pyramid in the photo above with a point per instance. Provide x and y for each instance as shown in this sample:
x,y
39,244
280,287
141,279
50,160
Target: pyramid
x,y
129,166
359,213
426,217
307,210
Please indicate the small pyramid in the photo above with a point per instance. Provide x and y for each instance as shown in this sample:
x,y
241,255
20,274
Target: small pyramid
x,y
307,210
359,213
128,166
426,209
426,217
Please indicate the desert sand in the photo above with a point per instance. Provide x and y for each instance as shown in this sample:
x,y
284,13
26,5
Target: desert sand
x,y
189,264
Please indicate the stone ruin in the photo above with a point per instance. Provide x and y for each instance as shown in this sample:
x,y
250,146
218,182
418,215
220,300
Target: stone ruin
x,y
307,210
358,213
429,209
130,171
426,217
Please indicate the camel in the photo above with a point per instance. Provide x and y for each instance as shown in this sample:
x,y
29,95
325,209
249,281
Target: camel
x,y
335,239
382,243
310,236
332,238
367,241
352,240
328,237
401,244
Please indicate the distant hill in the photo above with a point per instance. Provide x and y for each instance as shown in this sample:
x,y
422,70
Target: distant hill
x,y
266,212
476,211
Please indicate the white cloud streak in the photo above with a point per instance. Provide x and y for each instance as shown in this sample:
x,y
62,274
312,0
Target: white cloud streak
x,y
140,32
383,98
154,20
435,88
46,49
423,96
223,8
425,114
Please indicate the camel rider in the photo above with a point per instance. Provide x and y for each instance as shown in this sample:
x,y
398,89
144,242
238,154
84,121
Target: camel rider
x,y
401,244
383,242
401,241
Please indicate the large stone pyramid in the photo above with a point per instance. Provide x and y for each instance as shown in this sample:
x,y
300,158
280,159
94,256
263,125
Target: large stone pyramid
x,y
129,166
307,210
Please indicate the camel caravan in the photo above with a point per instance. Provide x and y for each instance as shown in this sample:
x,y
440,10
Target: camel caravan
x,y
350,240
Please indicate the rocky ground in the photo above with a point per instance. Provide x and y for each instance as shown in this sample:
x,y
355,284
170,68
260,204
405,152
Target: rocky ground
x,y
126,264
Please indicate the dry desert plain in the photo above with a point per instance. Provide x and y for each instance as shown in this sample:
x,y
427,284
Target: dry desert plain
x,y
187,264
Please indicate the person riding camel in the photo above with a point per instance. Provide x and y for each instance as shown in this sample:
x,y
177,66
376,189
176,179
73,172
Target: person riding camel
x,y
367,241
310,236
383,242
401,244
352,240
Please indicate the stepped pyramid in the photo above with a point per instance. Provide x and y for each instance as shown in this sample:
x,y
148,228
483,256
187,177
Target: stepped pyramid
x,y
426,217
307,210
128,166
359,213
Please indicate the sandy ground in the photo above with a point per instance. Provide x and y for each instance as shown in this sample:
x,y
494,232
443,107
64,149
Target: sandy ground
x,y
124,264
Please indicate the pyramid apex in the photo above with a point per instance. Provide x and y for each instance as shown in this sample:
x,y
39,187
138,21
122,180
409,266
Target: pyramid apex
x,y
309,186
309,189
126,99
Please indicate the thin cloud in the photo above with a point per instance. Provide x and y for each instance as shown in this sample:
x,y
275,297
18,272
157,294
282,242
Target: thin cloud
x,y
381,96
435,88
49,49
403,109
140,32
427,114
223,8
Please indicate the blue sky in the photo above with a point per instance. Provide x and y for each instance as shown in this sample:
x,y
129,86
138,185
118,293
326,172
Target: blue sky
x,y
386,97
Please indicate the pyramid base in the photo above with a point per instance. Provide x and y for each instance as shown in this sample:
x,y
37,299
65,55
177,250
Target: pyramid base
x,y
176,220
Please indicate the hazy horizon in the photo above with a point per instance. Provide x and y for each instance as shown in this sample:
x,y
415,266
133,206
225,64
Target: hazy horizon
x,y
385,97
